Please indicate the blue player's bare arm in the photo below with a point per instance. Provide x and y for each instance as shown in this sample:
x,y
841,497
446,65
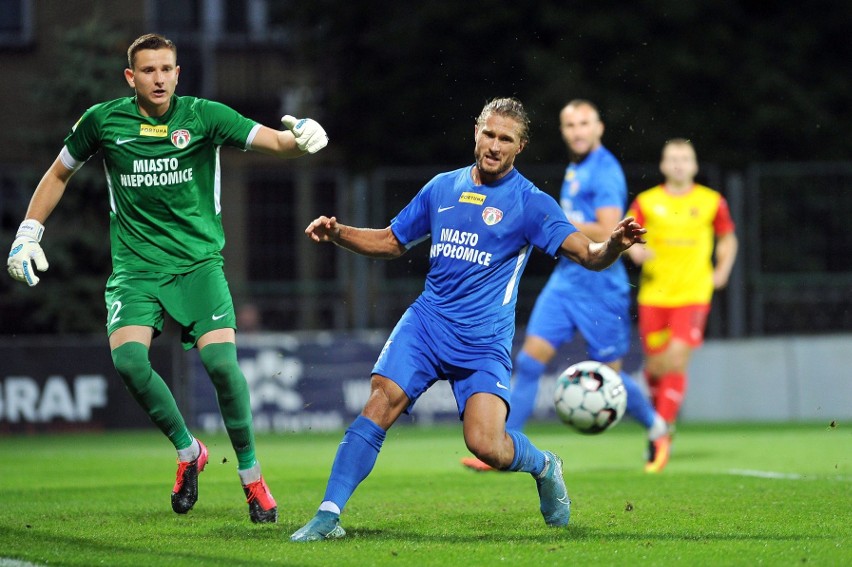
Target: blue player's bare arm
x,y
600,255
372,242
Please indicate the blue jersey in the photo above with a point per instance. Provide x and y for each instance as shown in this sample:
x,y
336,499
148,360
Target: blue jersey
x,y
596,182
481,241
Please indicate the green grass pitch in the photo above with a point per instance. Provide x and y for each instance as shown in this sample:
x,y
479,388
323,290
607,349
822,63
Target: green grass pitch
x,y
732,495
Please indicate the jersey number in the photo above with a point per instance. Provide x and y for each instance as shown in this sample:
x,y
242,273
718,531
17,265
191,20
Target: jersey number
x,y
116,307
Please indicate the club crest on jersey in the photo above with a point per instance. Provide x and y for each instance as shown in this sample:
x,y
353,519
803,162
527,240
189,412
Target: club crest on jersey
x,y
574,188
180,138
492,216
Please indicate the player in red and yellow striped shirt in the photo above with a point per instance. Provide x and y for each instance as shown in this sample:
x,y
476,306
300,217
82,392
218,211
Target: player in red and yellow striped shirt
x,y
685,222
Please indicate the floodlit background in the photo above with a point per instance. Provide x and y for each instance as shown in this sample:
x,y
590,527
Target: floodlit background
x,y
761,89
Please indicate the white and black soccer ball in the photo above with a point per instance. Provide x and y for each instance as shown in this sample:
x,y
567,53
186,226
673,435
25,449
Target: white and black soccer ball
x,y
590,397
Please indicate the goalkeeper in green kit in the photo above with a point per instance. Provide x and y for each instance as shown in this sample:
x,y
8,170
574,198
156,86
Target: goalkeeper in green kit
x,y
161,155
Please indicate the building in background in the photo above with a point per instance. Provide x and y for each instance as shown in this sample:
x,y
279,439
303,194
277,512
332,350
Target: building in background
x,y
395,75
59,56
238,52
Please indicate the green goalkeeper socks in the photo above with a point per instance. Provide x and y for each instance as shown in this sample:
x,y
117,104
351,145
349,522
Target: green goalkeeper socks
x,y
220,361
151,392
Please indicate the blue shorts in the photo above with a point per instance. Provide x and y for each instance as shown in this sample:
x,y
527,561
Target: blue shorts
x,y
603,321
422,350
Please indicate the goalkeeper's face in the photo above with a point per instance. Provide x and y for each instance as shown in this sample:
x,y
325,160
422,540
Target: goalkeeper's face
x,y
154,77
498,141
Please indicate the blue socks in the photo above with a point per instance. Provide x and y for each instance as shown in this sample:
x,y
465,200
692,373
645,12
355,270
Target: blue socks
x,y
527,457
524,390
355,458
638,405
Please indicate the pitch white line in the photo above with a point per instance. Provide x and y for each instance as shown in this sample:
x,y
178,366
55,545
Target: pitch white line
x,y
765,474
6,562
783,476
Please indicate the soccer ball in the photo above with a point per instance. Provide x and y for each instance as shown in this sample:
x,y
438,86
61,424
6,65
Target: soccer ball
x,y
590,397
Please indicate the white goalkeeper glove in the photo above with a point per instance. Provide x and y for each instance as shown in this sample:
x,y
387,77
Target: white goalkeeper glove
x,y
26,252
310,136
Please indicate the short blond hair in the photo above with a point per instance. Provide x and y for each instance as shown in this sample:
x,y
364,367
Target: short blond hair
x,y
509,107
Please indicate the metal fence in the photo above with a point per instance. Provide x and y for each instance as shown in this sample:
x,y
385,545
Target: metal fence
x,y
775,288
798,248
793,274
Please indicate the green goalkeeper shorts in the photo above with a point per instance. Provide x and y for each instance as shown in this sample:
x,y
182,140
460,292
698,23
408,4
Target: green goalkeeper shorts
x,y
199,301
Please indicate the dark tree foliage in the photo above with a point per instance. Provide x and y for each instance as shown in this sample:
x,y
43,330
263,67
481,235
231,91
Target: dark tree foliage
x,y
748,81
89,61
402,82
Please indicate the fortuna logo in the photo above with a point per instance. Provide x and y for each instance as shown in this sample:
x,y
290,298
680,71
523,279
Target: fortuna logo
x,y
159,131
119,141
572,181
442,209
180,138
492,216
470,197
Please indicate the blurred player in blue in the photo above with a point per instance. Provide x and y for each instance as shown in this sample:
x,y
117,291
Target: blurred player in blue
x,y
483,221
597,304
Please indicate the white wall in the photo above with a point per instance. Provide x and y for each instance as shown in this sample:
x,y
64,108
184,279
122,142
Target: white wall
x,y
771,379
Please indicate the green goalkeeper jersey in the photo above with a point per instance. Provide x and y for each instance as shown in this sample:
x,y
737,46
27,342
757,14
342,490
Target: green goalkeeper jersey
x,y
163,178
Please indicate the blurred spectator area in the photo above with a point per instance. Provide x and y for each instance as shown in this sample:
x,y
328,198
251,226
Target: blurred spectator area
x,y
793,274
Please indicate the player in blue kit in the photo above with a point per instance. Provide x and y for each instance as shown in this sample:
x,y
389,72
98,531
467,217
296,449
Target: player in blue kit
x,y
597,304
483,220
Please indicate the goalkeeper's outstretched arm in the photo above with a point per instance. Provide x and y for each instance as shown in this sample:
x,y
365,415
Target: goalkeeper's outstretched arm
x,y
300,137
49,191
26,255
